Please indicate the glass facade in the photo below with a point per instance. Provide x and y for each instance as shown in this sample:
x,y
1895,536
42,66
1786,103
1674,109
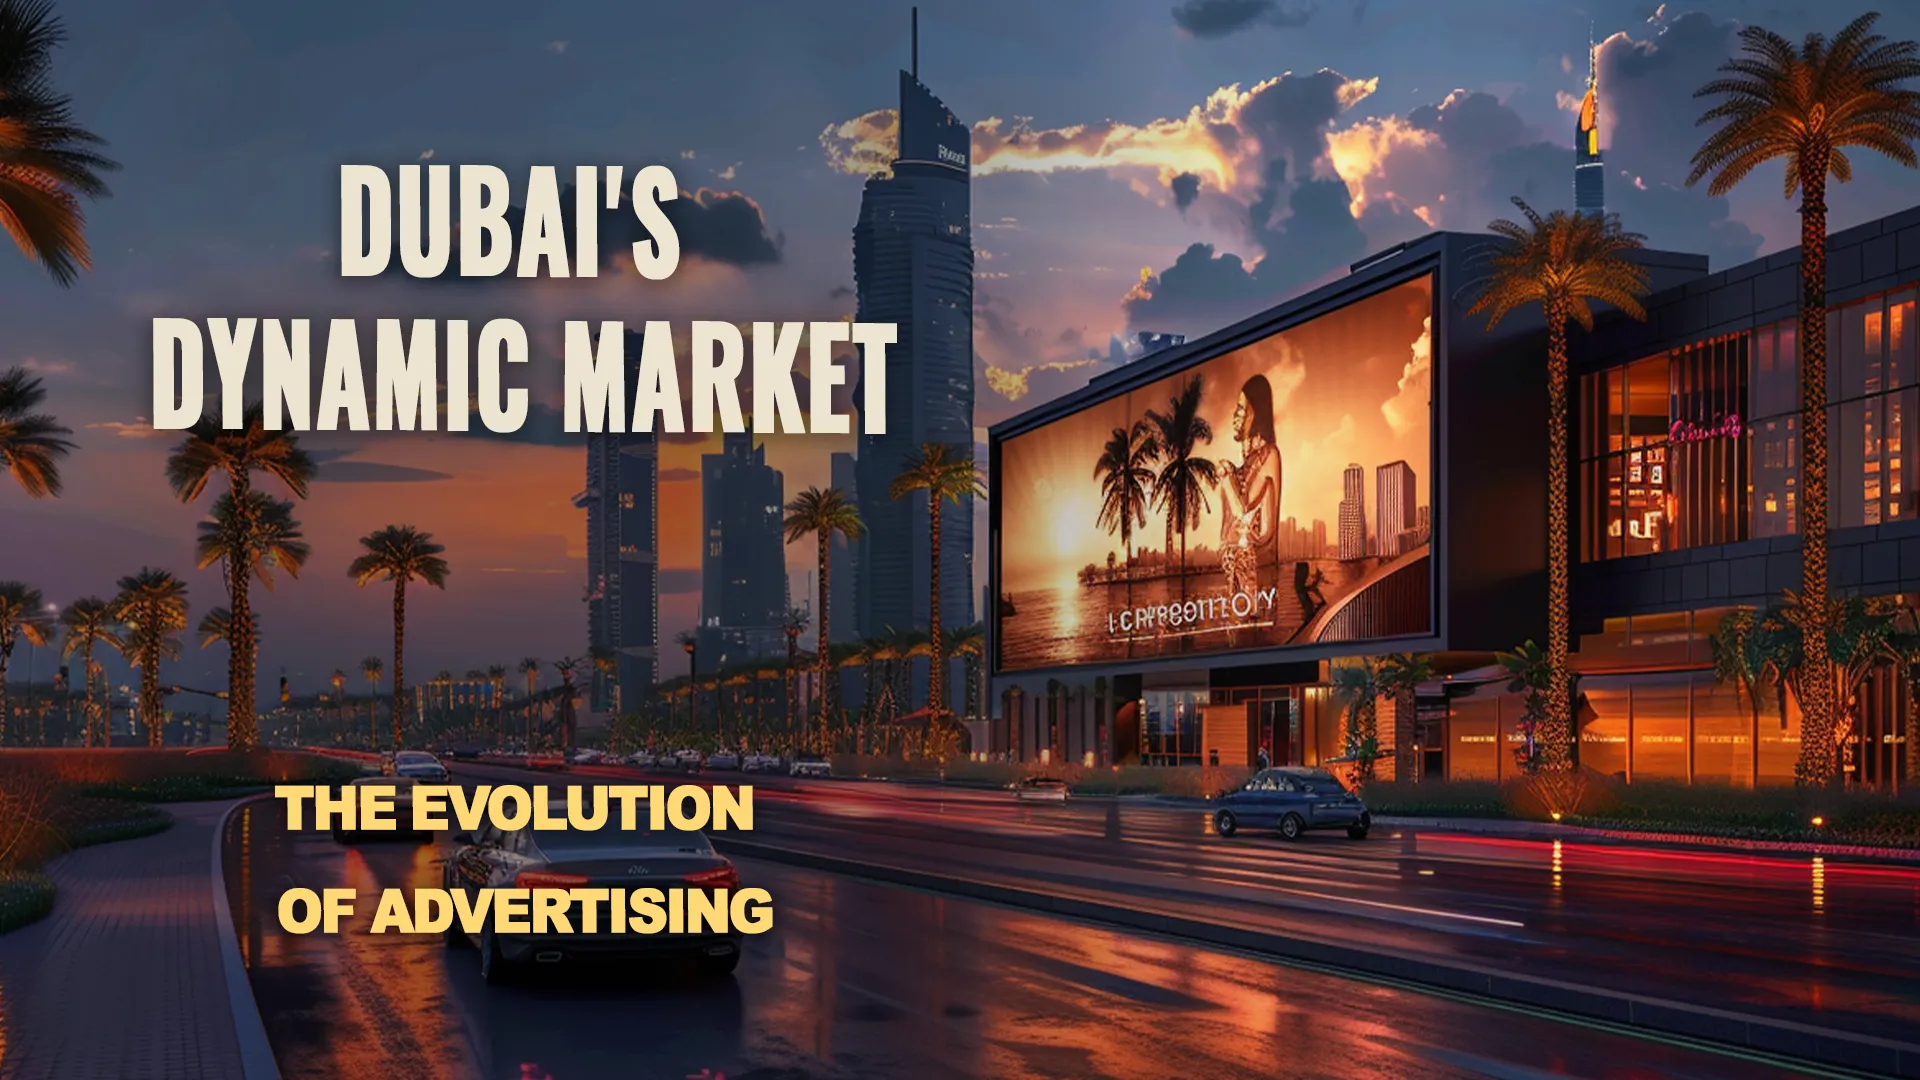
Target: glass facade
x,y
1170,727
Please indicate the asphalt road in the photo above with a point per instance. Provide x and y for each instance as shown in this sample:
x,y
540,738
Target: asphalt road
x,y
1824,942
857,981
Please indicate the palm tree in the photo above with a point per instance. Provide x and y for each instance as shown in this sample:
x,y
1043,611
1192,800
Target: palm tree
x,y
946,476
23,615
216,627
237,454
50,160
339,682
1356,686
606,667
1562,262
565,667
823,514
373,668
152,606
31,444
1805,105
1400,675
1180,487
969,641
399,553
1125,472
88,622
249,536
793,625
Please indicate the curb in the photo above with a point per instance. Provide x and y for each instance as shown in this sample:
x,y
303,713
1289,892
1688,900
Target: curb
x,y
1726,1029
256,1053
1540,830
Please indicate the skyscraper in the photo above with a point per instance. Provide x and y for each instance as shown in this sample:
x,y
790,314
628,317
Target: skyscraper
x,y
1589,172
743,571
913,266
1394,503
623,599
1353,513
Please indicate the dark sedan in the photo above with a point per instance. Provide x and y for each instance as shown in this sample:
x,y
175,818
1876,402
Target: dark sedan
x,y
1292,801
610,858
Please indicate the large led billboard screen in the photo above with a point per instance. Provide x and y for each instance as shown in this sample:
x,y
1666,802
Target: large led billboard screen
x,y
1273,496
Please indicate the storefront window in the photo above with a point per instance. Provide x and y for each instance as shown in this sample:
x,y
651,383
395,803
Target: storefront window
x,y
1603,726
1660,440
1170,734
1871,382
1661,719
1774,442
1722,732
1475,726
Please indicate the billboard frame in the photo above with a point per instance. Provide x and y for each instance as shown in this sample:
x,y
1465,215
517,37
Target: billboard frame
x,y
1390,269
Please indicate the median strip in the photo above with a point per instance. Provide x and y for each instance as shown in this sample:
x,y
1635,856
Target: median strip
x,y
1737,1031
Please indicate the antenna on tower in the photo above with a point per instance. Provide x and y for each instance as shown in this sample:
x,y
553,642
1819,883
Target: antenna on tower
x,y
1593,58
916,42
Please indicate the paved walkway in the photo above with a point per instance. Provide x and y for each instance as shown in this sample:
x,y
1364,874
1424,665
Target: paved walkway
x,y
124,980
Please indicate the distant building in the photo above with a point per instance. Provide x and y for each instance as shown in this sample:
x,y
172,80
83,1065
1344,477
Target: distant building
x,y
1589,171
1152,343
1353,514
1394,503
621,499
743,570
913,267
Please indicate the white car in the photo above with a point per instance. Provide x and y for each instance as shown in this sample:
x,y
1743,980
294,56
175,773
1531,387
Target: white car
x,y
640,758
758,763
1040,789
810,765
402,815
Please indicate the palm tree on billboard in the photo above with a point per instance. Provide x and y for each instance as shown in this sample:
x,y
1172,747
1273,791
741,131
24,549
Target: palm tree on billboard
x,y
1180,487
1125,472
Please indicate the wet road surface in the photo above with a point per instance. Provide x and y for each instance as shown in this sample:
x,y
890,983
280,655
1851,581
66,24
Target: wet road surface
x,y
1816,941
858,981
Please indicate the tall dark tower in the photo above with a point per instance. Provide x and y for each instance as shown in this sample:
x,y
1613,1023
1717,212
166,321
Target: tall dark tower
x,y
743,571
623,541
913,266
1589,172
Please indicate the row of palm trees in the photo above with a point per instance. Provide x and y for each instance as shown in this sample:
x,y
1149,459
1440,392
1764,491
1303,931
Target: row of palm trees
x,y
1155,464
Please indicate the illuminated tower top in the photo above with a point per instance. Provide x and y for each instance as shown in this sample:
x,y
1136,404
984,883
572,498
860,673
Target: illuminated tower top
x,y
1589,174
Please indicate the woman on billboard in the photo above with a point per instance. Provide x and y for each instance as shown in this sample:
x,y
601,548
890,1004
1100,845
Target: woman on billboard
x,y
1250,491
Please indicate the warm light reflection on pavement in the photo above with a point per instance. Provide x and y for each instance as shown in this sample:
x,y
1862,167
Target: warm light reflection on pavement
x,y
860,981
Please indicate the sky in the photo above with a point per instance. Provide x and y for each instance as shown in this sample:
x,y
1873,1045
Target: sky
x,y
1138,166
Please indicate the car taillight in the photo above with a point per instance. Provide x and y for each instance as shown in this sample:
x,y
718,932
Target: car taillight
x,y
720,877
541,879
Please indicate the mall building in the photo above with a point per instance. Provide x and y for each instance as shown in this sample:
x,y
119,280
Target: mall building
x,y
1371,527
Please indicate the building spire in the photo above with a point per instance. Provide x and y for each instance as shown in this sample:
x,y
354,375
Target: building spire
x,y
916,43
1589,172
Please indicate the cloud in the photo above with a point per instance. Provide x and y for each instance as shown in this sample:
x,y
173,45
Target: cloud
x,y
1220,18
141,428
1408,407
49,367
727,174
375,472
679,475
427,154
556,47
1185,188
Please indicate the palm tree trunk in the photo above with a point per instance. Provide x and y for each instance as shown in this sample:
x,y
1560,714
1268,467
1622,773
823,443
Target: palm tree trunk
x,y
399,657
1559,722
242,724
821,661
1816,681
86,669
151,704
936,671
6,654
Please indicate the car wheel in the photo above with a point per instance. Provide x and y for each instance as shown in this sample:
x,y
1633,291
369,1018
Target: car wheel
x,y
1225,823
495,969
719,967
1356,832
1291,827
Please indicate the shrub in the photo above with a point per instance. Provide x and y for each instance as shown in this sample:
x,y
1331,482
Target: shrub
x,y
25,898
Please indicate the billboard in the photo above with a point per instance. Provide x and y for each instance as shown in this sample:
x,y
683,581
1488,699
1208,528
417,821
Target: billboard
x,y
1276,495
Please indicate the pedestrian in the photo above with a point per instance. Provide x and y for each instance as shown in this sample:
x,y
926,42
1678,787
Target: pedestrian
x,y
1262,759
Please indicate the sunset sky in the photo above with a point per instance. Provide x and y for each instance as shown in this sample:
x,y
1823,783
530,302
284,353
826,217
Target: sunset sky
x,y
1350,386
1139,164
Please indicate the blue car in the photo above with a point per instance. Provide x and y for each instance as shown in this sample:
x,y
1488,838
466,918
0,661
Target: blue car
x,y
1292,800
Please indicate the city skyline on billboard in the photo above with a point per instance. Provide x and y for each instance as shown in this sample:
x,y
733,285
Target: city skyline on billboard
x,y
1300,465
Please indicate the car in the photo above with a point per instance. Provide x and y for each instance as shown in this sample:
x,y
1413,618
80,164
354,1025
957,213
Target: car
x,y
420,765
551,761
606,858
1040,789
1292,800
724,760
810,765
761,763
640,759
464,753
402,813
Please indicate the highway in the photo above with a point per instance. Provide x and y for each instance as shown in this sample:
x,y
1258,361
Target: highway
x,y
859,980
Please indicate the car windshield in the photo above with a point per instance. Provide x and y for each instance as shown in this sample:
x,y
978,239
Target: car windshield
x,y
810,759
1320,785
572,841
414,758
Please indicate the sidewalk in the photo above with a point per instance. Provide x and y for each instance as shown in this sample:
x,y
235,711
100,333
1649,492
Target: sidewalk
x,y
125,979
